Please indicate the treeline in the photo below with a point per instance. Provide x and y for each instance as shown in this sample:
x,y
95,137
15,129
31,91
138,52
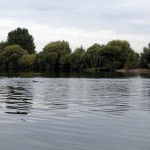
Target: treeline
x,y
18,52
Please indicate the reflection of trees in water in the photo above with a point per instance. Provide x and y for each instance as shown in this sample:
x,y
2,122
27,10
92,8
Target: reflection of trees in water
x,y
18,100
119,98
109,96
145,95
51,95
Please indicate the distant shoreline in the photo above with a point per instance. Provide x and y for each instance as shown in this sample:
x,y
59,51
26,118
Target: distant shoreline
x,y
134,70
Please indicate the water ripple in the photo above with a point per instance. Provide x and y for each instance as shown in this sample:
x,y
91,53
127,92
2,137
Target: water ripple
x,y
74,113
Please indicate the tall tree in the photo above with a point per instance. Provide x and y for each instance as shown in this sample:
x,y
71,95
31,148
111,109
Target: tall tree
x,y
23,38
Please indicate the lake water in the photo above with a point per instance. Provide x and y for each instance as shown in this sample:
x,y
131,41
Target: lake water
x,y
74,111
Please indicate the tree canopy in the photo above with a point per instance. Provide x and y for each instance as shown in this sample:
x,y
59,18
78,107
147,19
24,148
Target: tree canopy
x,y
23,38
59,50
2,46
75,59
9,58
18,52
145,57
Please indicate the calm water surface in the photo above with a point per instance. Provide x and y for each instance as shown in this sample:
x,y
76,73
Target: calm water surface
x,y
68,112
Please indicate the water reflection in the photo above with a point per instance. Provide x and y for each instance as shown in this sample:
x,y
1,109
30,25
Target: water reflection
x,y
16,97
75,113
116,96
52,94
111,96
68,74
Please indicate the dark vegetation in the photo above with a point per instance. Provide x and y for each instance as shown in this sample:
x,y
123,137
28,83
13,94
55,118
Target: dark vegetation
x,y
18,53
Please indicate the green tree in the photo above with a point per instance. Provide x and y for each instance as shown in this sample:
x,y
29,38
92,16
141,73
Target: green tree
x,y
74,59
2,46
9,58
46,61
23,38
122,44
121,50
27,61
145,57
61,48
132,60
92,57
39,63
115,55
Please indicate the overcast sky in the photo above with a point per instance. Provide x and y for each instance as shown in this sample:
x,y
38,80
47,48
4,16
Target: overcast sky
x,y
80,22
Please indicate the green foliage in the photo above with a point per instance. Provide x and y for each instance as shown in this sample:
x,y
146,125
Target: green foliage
x,y
122,44
95,47
92,57
60,49
107,57
23,38
50,60
111,58
46,61
75,59
27,61
117,54
132,60
2,46
39,61
122,48
9,58
145,57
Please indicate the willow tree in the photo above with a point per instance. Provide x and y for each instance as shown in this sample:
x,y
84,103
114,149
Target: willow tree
x,y
60,50
120,50
9,58
75,58
27,61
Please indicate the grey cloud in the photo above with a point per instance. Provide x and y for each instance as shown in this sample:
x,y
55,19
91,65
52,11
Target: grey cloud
x,y
130,16
100,13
